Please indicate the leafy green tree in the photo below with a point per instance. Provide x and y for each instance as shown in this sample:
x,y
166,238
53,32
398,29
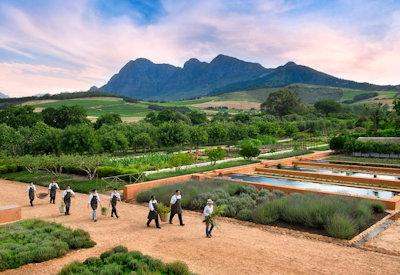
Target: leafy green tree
x,y
215,154
142,140
197,117
396,105
327,106
19,116
173,134
109,119
79,139
111,140
9,139
43,139
198,135
64,116
236,132
249,148
166,115
217,133
242,117
282,102
377,112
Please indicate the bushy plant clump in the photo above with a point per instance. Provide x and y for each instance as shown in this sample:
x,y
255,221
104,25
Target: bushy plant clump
x,y
338,216
120,261
34,241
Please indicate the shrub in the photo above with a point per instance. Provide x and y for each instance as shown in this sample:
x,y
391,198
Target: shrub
x,y
245,215
249,149
215,154
177,268
340,226
31,241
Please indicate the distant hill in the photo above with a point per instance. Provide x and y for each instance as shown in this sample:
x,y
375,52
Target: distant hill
x,y
3,95
146,80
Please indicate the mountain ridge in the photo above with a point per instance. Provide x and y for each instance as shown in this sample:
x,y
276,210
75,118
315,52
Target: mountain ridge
x,y
143,79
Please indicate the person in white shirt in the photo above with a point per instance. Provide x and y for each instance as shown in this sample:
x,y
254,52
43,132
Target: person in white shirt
x,y
114,198
153,214
208,210
176,207
31,190
93,202
67,195
53,186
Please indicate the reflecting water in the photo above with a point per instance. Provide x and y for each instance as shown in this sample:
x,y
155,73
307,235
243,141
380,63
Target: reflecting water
x,y
342,173
331,188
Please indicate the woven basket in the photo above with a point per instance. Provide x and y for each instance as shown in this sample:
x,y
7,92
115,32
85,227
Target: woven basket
x,y
42,195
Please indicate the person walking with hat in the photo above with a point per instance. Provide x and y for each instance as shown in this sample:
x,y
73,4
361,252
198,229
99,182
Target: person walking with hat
x,y
53,186
93,202
153,214
208,210
114,198
67,195
31,190
176,207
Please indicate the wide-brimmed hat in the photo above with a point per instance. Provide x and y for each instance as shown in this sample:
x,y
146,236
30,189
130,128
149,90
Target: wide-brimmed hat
x,y
210,201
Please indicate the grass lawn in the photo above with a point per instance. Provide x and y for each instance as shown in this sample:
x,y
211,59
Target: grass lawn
x,y
294,153
35,241
78,185
162,175
121,261
365,160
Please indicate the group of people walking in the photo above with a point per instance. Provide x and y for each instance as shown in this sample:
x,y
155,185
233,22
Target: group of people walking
x,y
94,202
176,209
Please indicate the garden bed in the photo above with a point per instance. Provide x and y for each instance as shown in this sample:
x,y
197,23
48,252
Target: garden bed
x,y
335,216
120,261
294,153
34,241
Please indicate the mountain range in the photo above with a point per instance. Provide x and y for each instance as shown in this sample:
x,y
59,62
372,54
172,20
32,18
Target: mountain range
x,y
145,80
2,95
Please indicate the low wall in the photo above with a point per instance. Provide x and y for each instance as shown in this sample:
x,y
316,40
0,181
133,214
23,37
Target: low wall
x,y
378,182
10,213
386,170
392,204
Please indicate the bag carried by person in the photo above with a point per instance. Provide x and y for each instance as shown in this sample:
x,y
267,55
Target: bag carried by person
x,y
62,208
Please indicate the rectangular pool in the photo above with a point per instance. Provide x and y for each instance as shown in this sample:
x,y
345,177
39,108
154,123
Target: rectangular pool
x,y
343,173
324,187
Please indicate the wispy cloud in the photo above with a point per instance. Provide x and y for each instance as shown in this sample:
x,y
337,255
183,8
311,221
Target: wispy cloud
x,y
72,45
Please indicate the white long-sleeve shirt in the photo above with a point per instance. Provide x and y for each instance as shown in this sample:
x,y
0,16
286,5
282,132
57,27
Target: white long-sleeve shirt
x,y
174,198
115,194
31,186
208,210
151,206
53,184
91,197
66,191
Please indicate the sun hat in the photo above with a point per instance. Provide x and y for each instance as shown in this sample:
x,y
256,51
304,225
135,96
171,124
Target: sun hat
x,y
209,201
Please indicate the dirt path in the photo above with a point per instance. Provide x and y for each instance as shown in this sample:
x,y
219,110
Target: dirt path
x,y
235,248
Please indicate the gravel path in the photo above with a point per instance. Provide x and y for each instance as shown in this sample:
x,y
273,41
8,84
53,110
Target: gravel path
x,y
235,248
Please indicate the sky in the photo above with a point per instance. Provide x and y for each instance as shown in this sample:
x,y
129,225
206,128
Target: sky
x,y
50,46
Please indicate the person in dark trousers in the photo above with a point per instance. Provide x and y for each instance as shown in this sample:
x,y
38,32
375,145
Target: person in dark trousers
x,y
153,214
208,210
176,207
31,190
67,195
53,186
114,198
93,202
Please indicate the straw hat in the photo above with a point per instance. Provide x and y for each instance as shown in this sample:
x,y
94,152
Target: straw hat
x,y
209,201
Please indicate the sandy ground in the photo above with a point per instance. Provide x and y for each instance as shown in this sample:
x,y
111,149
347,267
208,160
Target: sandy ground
x,y
241,105
234,249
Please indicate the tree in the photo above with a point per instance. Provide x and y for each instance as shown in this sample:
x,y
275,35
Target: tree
x,y
249,148
9,139
173,134
396,105
79,139
377,112
198,136
19,116
236,132
282,102
166,115
109,119
215,154
217,133
142,140
64,116
43,139
327,106
111,140
197,117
